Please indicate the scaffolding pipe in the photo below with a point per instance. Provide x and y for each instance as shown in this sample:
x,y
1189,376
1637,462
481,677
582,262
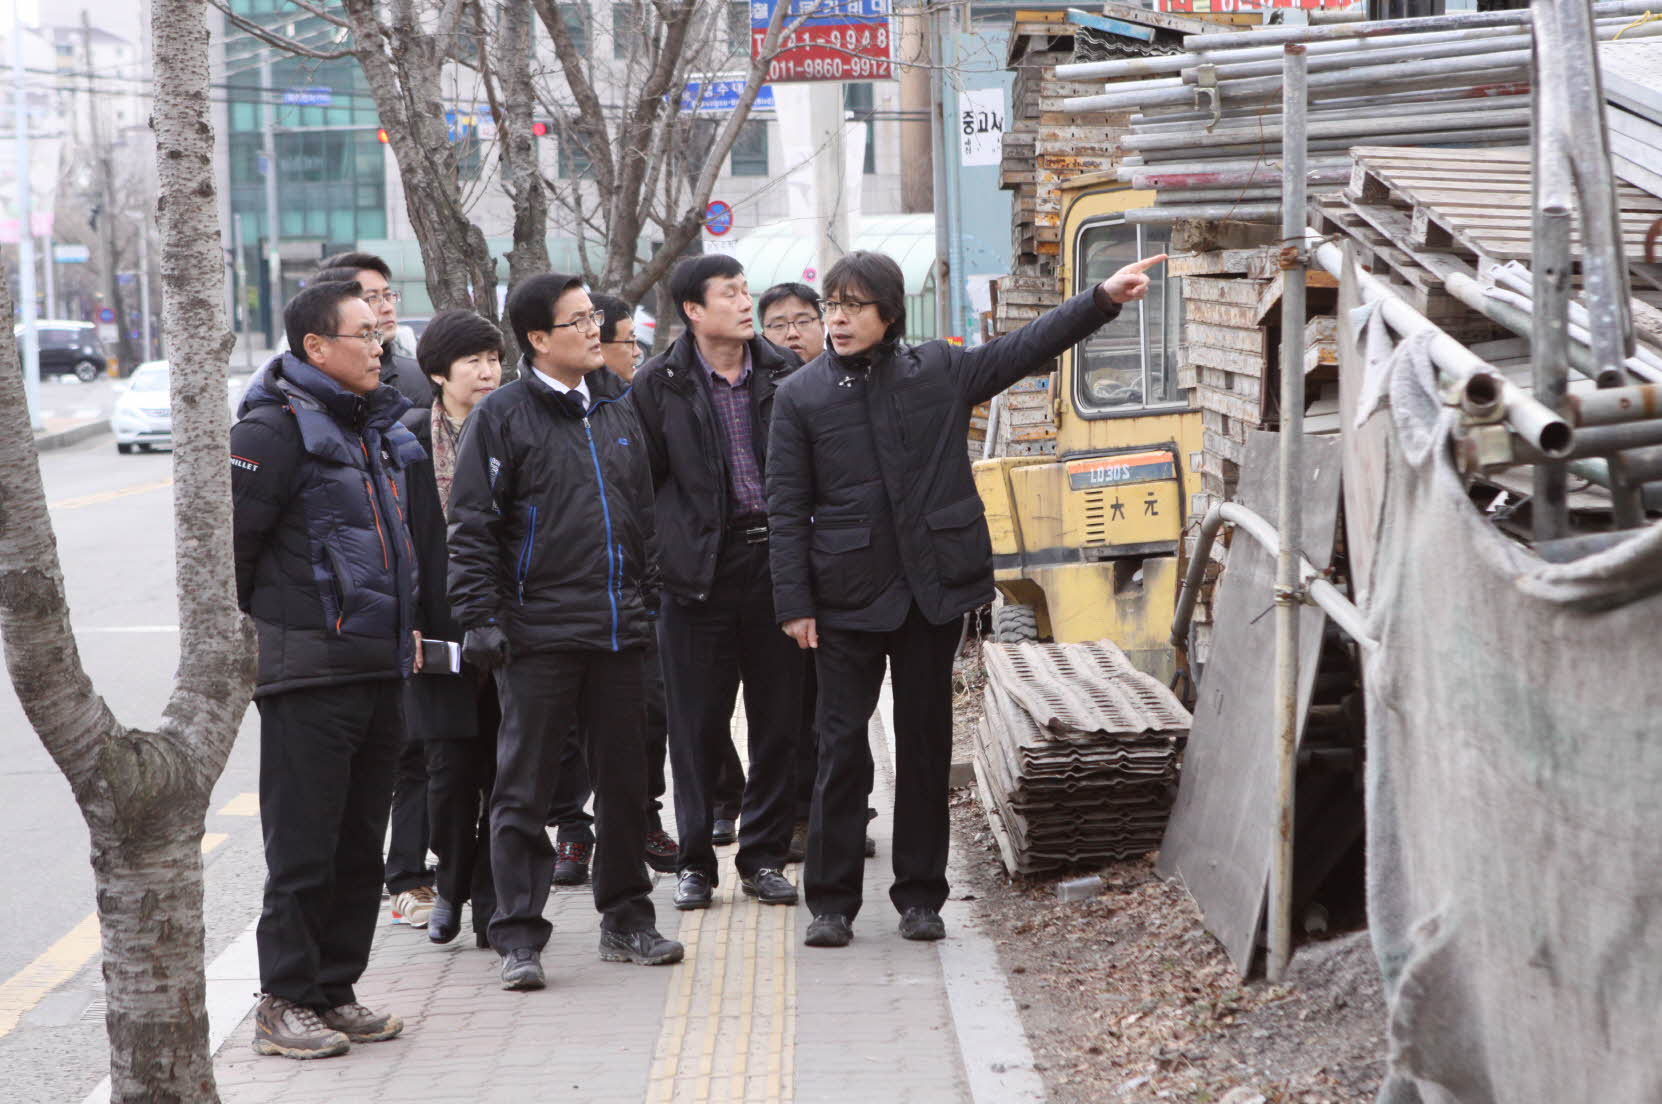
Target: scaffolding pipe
x,y
1493,304
1581,357
1370,51
1214,212
1549,323
1268,176
1492,69
1271,146
1546,433
1340,609
1517,278
1337,128
1226,40
1611,405
1363,108
1290,504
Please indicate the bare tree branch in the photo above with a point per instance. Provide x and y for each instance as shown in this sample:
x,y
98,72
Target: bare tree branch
x,y
281,42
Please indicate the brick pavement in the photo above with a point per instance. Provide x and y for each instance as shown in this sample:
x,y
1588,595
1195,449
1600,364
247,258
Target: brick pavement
x,y
751,1015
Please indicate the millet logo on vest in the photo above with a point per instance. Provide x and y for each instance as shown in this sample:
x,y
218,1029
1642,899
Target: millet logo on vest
x,y
245,464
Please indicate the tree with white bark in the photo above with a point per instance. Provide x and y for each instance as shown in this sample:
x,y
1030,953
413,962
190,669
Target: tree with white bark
x,y
144,794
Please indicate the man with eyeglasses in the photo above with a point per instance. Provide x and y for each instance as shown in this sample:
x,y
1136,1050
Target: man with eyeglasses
x,y
551,579
375,276
791,319
327,570
880,546
705,405
572,823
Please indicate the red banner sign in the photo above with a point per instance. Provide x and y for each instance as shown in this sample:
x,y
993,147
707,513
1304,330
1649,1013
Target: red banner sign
x,y
830,52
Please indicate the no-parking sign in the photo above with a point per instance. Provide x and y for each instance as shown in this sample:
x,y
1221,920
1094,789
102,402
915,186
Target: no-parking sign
x,y
718,217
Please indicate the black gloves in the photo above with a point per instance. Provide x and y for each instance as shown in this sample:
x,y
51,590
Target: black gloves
x,y
485,647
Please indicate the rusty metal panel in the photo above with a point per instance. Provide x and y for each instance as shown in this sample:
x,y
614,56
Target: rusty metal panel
x,y
1223,826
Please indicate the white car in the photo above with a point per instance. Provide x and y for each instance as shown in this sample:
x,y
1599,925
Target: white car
x,y
142,417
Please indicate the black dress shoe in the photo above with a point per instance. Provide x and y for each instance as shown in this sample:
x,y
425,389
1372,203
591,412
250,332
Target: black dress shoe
x,y
923,924
644,947
446,921
522,969
692,891
769,887
724,832
830,930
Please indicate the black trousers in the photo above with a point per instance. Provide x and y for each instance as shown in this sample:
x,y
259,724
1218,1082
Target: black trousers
x,y
807,741
708,648
850,675
542,694
460,776
406,865
728,799
569,815
326,768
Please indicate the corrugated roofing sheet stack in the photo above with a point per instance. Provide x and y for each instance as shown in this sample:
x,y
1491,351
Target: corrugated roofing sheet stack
x,y
1208,133
1076,754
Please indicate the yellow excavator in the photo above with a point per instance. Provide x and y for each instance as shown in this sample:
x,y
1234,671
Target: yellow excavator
x,y
1086,542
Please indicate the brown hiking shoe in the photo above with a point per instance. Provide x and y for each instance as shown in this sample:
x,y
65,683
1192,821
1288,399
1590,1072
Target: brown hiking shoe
x,y
291,1030
361,1025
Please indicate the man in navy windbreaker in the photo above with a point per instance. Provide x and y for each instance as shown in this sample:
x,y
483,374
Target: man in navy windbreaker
x,y
326,569
551,579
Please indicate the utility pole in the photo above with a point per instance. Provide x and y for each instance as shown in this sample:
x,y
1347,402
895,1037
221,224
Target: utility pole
x,y
825,114
25,231
106,203
144,288
273,237
48,269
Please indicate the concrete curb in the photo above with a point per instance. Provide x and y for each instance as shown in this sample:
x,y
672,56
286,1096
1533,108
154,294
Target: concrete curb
x,y
45,442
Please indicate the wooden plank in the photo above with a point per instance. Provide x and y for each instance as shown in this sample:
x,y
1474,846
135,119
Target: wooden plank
x,y
1219,314
1269,296
1211,263
1216,379
1238,407
1217,444
1239,292
1233,361
1242,340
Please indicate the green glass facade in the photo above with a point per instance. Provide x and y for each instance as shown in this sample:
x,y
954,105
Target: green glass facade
x,y
331,174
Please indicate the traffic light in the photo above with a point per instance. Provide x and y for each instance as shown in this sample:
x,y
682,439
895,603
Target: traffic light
x,y
382,136
541,129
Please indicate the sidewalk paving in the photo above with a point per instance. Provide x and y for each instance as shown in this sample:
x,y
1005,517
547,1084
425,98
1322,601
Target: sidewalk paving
x,y
751,1015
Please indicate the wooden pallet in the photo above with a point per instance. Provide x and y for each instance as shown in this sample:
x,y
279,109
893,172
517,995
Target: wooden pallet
x,y
1474,200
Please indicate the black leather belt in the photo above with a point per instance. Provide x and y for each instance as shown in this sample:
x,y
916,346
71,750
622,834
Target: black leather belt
x,y
749,531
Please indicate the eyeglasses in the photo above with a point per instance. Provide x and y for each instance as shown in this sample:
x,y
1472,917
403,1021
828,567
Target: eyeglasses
x,y
371,338
583,322
376,298
850,307
637,352
779,327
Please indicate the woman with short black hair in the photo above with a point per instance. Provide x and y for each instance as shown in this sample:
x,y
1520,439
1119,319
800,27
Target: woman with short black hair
x,y
456,714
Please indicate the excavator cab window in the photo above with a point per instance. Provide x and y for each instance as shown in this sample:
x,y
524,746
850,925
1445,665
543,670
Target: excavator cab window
x,y
1130,365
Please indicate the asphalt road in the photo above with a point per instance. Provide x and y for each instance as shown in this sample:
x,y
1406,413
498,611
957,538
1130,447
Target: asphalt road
x,y
113,519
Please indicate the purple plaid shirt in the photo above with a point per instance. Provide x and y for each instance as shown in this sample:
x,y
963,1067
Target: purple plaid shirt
x,y
732,403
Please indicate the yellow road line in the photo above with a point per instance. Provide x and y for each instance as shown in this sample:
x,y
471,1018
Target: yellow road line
x,y
106,496
60,962
244,804
56,965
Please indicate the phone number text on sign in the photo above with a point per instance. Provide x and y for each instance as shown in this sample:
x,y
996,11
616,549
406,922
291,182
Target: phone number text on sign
x,y
830,52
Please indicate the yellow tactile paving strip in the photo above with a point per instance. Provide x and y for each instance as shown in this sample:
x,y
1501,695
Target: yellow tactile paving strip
x,y
729,1025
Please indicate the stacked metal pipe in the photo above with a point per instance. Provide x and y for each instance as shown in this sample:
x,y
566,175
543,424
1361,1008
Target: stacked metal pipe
x,y
1208,135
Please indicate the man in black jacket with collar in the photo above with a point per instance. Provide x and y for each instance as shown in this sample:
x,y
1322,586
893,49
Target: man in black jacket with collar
x,y
704,406
880,546
374,276
326,569
550,520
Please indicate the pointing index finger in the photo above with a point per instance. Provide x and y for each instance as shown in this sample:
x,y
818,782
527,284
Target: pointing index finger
x,y
1146,263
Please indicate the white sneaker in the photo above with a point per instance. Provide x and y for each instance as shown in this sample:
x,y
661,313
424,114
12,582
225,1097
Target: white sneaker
x,y
413,906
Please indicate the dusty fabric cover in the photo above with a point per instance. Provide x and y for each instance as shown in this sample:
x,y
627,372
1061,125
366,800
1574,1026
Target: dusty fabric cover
x,y
1514,794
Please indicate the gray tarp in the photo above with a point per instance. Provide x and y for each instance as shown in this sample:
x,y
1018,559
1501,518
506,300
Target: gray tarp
x,y
1514,794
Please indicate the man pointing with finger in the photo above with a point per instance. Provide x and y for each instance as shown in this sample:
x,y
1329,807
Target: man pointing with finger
x,y
879,546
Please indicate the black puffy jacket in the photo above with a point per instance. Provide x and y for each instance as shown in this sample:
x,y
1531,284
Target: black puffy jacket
x,y
689,454
325,564
551,517
871,500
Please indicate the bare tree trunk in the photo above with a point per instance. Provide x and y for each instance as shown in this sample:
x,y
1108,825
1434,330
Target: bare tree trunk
x,y
403,64
520,175
144,794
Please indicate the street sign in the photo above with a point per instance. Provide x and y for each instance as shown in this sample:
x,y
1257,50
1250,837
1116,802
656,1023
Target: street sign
x,y
832,40
721,95
126,279
71,254
309,97
106,314
718,217
810,274
981,126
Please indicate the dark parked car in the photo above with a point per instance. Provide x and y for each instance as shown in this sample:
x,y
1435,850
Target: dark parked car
x,y
70,349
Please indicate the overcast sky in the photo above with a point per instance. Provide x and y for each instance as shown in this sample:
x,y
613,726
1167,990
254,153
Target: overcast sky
x,y
119,17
